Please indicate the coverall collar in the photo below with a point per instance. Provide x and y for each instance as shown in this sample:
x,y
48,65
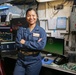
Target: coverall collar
x,y
36,28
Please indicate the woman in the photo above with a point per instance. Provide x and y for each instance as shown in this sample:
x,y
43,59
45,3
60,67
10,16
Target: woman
x,y
30,41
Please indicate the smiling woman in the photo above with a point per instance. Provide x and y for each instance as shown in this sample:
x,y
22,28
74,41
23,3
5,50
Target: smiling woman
x,y
30,41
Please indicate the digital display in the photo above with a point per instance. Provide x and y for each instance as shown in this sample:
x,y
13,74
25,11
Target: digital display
x,y
55,45
6,36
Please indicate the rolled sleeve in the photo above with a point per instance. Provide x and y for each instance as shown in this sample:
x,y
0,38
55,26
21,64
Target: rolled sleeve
x,y
19,37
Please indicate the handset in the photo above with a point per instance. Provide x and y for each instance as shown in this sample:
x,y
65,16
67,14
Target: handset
x,y
60,60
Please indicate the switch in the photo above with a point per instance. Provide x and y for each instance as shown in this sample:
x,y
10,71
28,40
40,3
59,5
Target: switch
x,y
58,7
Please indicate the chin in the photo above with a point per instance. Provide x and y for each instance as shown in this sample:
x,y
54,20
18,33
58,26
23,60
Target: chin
x,y
32,23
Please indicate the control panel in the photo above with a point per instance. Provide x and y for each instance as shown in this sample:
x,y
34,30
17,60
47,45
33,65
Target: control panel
x,y
4,36
7,46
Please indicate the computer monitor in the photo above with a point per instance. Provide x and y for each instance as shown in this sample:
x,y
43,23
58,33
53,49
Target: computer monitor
x,y
55,45
18,22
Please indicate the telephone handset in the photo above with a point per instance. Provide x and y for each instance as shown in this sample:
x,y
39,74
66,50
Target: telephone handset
x,y
60,60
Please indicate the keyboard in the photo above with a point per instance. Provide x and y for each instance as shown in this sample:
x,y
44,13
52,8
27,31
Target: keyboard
x,y
69,66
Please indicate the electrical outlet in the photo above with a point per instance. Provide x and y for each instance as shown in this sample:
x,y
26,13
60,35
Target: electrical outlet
x,y
58,7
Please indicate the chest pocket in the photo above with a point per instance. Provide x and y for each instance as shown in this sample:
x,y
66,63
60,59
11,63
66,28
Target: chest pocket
x,y
36,36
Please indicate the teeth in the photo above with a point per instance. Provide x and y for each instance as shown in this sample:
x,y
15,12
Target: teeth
x,y
30,21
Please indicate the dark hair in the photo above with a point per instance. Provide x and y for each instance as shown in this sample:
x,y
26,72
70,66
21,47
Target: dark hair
x,y
30,10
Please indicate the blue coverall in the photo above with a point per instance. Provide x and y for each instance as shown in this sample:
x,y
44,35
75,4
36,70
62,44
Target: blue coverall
x,y
30,65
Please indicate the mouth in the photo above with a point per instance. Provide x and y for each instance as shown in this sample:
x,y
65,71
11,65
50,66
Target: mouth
x,y
31,20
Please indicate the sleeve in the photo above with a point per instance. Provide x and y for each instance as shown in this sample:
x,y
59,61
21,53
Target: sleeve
x,y
18,38
35,44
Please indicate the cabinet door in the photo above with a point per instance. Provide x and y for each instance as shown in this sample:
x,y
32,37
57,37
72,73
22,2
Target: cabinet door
x,y
1,68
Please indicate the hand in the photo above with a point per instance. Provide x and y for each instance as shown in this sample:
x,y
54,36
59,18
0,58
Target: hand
x,y
22,41
39,39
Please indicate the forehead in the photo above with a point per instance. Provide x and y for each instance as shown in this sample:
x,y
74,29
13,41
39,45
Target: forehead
x,y
31,12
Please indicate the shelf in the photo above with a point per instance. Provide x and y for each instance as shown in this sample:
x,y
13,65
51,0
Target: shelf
x,y
4,27
43,19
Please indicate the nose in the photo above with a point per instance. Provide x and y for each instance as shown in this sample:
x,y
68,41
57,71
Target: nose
x,y
31,17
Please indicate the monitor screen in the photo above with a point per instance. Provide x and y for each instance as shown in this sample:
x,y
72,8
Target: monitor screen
x,y
3,23
18,22
54,45
3,18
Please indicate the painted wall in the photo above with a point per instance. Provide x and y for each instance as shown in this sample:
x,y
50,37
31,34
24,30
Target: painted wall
x,y
48,16
47,12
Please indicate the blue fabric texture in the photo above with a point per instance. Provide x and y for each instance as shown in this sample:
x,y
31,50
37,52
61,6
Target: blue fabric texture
x,y
30,65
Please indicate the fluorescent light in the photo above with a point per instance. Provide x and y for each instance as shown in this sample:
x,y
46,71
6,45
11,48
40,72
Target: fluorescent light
x,y
45,0
3,7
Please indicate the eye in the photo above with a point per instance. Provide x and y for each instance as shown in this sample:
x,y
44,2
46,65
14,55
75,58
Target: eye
x,y
28,15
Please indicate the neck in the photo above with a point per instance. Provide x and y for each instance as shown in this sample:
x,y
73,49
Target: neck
x,y
31,27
